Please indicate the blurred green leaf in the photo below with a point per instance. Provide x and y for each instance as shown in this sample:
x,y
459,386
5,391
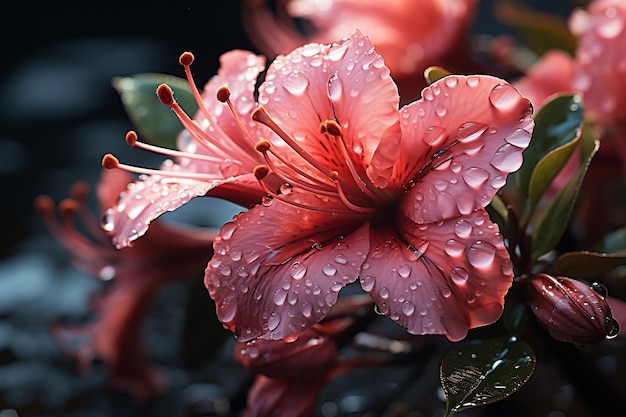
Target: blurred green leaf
x,y
499,214
557,123
484,372
540,31
554,220
434,73
153,120
587,265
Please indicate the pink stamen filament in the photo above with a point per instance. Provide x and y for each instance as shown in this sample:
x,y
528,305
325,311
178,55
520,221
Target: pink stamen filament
x,y
261,116
110,162
223,95
261,170
131,140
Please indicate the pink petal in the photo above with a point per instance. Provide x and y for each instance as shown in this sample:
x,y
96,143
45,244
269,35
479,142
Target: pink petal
x,y
448,278
348,83
277,270
151,196
459,143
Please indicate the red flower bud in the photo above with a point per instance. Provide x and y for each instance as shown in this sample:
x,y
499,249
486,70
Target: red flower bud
x,y
571,310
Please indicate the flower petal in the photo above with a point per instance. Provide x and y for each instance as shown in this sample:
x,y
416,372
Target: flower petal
x,y
150,196
277,270
470,132
440,278
346,82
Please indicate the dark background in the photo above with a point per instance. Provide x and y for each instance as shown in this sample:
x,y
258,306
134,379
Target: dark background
x,y
58,116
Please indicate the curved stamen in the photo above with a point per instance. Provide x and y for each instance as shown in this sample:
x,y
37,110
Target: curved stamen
x,y
223,95
260,115
111,162
131,140
261,171
334,129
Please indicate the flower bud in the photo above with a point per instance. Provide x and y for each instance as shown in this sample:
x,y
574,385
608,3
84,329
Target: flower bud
x,y
571,310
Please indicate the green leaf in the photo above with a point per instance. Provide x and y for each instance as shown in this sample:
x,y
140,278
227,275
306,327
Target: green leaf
x,y
554,219
153,120
540,31
485,372
587,265
434,73
557,123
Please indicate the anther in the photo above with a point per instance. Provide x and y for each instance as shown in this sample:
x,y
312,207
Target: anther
x,y
131,138
186,59
331,127
260,171
80,190
166,95
68,206
110,162
44,204
223,94
263,145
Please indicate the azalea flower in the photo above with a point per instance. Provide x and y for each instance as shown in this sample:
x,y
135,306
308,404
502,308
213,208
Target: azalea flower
x,y
411,35
571,310
355,189
133,277
393,198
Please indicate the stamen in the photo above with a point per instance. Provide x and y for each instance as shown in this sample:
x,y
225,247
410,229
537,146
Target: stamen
x,y
352,206
223,95
111,162
334,129
260,115
131,140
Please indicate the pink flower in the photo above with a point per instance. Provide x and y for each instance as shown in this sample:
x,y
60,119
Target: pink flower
x,y
392,198
551,74
135,275
571,310
411,35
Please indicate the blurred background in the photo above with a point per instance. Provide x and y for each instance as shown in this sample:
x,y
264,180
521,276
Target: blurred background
x,y
58,116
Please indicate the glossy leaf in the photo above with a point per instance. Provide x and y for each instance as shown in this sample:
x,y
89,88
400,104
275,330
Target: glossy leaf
x,y
541,31
557,124
587,265
434,73
154,121
614,242
484,372
553,221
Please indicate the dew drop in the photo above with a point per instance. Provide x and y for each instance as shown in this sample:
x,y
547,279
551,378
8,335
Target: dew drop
x,y
508,158
481,254
298,270
520,138
404,271
451,81
107,221
227,230
408,308
470,131
335,88
384,293
613,329
273,321
434,135
441,110
459,275
472,81
337,52
454,248
367,283
296,83
267,200
475,177
279,297
506,101
107,273
341,259
462,228
610,25
285,189
329,270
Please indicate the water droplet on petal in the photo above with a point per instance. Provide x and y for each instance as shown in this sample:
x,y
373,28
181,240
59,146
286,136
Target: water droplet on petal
x,y
520,138
408,308
472,81
341,259
279,297
459,275
441,110
298,270
384,293
367,282
296,83
463,228
335,88
507,102
454,248
404,271
337,52
434,135
610,25
273,321
470,131
329,270
227,230
475,177
481,254
508,158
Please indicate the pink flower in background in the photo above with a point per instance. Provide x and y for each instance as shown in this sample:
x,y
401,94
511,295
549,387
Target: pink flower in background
x,y
393,198
601,66
571,310
134,276
411,35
